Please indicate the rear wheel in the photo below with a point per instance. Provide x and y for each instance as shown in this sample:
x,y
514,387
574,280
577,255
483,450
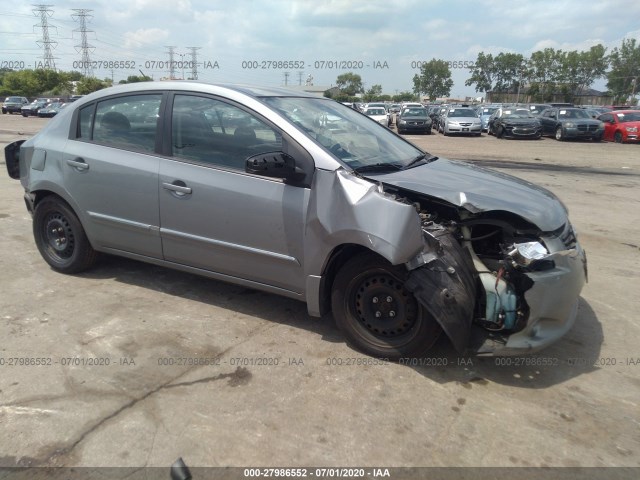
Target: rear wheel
x,y
377,314
60,237
617,137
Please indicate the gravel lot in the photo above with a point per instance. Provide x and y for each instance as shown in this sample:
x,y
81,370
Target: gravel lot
x,y
282,389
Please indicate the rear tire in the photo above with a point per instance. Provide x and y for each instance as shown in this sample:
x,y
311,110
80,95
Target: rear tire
x,y
60,237
376,314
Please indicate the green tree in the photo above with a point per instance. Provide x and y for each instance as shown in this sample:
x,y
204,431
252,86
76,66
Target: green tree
x,y
405,97
350,83
578,70
544,72
136,79
509,70
89,84
434,79
374,93
623,80
482,73
22,82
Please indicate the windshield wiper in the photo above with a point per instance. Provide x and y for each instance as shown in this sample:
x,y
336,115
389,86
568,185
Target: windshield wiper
x,y
419,159
375,167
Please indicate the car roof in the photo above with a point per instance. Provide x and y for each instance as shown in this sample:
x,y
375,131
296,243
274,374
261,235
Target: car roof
x,y
196,86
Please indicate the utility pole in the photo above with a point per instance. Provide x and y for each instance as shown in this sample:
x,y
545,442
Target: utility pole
x,y
300,75
194,62
44,11
81,15
286,78
172,64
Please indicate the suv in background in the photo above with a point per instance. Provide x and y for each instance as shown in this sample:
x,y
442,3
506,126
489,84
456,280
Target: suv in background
x,y
13,104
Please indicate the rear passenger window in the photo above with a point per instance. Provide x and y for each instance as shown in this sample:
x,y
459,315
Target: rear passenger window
x,y
211,131
127,122
86,119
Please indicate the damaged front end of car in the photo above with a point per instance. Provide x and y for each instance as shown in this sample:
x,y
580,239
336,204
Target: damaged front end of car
x,y
497,283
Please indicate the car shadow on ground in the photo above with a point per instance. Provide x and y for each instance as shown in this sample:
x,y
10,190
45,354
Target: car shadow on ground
x,y
575,354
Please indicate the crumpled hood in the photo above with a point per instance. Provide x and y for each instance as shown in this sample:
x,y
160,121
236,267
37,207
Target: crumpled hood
x,y
479,189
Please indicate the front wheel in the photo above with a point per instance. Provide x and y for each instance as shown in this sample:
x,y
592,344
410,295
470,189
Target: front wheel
x,y
617,137
559,134
60,237
377,314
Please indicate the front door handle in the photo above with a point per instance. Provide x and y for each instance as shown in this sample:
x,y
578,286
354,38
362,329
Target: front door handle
x,y
78,163
178,187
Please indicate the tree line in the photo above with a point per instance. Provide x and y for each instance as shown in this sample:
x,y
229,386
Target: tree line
x,y
545,73
52,83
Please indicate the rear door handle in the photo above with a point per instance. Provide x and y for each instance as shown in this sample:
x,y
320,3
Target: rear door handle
x,y
78,163
178,187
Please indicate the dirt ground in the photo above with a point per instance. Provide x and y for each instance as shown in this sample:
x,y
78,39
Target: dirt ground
x,y
149,364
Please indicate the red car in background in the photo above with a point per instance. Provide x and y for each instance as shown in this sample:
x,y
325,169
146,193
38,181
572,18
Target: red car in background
x,y
621,126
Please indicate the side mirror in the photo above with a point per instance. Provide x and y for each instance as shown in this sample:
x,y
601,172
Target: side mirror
x,y
274,165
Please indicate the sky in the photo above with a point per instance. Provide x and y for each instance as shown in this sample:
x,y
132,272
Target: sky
x,y
247,41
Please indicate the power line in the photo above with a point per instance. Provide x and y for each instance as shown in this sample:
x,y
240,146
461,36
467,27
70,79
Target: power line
x,y
81,15
172,65
194,62
45,11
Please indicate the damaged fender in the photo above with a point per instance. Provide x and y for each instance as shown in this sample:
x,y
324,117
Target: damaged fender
x,y
352,210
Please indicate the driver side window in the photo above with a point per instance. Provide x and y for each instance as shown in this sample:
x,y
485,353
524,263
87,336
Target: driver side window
x,y
210,131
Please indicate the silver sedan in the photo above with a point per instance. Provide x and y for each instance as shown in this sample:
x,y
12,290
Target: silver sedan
x,y
305,197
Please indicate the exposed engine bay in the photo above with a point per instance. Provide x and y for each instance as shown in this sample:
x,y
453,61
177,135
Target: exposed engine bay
x,y
475,266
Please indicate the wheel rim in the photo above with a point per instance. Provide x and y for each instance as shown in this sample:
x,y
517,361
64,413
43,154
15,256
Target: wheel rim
x,y
58,237
558,134
385,311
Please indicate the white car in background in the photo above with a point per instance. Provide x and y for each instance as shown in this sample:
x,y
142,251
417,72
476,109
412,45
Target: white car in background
x,y
379,114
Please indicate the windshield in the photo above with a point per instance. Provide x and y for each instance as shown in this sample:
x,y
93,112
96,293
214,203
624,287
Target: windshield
x,y
462,112
573,114
350,136
415,112
488,111
518,114
628,117
375,111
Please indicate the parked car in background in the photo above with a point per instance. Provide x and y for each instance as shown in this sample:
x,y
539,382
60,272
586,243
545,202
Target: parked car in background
x,y
536,108
599,109
398,244
14,104
438,116
51,109
565,123
462,121
484,112
621,126
512,122
592,112
34,107
414,119
394,112
379,114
